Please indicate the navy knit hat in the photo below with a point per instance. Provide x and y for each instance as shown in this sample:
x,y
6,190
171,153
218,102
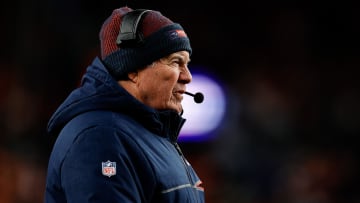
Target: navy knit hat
x,y
162,37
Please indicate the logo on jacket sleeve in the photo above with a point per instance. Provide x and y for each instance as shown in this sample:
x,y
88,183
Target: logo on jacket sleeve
x,y
108,168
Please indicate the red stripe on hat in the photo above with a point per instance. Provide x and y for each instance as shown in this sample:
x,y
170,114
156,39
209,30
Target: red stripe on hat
x,y
181,33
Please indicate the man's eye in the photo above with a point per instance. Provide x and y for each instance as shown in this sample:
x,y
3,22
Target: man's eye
x,y
176,62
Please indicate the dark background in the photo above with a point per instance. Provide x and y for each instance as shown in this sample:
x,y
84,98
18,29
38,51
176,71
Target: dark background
x,y
289,69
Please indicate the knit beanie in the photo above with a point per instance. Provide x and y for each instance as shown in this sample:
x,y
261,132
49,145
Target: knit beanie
x,y
161,37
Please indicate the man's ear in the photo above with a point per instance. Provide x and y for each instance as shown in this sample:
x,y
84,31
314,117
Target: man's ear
x,y
133,76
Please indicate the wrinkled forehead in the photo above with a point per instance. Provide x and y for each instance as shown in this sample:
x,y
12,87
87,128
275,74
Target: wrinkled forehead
x,y
182,55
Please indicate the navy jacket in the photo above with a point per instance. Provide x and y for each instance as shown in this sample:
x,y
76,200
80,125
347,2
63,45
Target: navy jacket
x,y
112,148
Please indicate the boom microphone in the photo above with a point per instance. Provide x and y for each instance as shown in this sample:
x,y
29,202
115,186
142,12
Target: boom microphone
x,y
198,97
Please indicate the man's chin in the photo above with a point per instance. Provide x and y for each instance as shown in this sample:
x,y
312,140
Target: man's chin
x,y
175,107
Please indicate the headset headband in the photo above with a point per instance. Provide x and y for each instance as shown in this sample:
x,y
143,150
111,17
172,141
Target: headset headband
x,y
128,35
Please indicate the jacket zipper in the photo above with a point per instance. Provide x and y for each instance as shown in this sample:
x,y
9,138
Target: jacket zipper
x,y
186,168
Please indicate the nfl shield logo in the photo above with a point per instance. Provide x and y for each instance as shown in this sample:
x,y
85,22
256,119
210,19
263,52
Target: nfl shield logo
x,y
108,168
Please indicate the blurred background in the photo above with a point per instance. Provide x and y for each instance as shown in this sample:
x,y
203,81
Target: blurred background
x,y
289,71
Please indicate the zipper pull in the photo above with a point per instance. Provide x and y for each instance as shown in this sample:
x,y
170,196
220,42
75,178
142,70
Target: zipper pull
x,y
178,148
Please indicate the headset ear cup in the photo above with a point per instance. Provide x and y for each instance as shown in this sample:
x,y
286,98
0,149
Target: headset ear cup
x,y
128,33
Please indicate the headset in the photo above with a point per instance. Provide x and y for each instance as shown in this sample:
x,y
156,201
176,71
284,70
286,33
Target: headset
x,y
128,34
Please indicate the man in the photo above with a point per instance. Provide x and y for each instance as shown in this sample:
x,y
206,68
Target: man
x,y
117,132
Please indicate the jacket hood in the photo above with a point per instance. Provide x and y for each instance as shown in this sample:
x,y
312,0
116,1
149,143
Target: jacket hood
x,y
99,91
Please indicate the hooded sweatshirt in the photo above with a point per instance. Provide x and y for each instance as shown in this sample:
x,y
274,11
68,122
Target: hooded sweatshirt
x,y
112,148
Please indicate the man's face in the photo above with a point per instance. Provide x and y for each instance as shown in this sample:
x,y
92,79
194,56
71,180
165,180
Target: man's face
x,y
162,84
